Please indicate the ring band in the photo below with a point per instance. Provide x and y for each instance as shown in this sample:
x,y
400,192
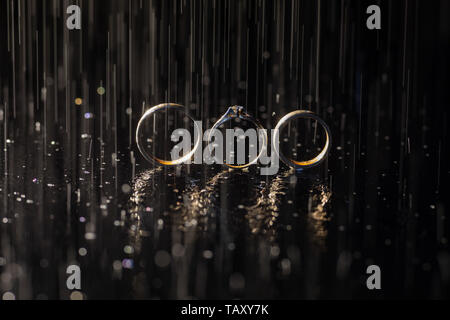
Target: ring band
x,y
304,114
240,112
153,158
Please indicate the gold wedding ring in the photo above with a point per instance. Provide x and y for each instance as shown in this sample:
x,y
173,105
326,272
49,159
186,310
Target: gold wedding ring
x,y
240,112
147,115
304,114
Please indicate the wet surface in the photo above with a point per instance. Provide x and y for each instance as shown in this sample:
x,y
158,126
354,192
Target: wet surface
x,y
75,190
209,232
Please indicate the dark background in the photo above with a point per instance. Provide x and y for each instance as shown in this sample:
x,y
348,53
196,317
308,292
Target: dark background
x,y
75,190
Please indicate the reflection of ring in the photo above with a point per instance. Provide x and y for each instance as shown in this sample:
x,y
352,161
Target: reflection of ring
x,y
239,112
153,158
305,115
